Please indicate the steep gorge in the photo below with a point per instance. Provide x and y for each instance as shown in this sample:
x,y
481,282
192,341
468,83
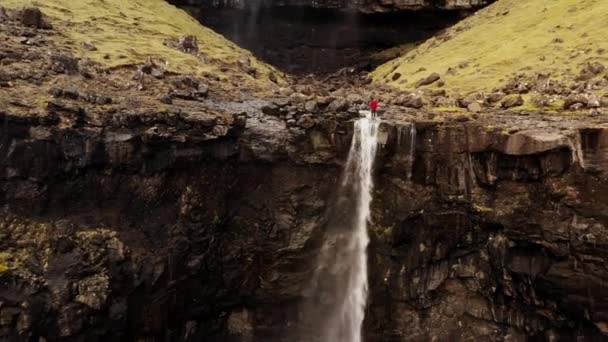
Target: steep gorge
x,y
182,209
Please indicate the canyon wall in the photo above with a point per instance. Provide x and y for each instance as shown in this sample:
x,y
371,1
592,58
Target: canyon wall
x,y
165,227
361,5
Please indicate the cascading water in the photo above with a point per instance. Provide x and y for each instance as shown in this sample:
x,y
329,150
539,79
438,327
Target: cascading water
x,y
338,292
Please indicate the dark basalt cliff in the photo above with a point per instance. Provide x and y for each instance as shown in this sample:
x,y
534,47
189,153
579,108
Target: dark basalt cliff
x,y
155,228
362,5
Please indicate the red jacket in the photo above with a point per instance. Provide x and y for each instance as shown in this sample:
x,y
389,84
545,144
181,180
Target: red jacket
x,y
373,105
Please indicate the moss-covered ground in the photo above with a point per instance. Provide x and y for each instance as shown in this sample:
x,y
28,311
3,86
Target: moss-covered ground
x,y
126,32
509,37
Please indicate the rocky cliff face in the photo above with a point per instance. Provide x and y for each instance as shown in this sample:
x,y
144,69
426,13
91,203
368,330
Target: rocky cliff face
x,y
365,5
143,231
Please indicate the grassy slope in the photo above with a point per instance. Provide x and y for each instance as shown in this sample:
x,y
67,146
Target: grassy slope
x,y
131,30
508,37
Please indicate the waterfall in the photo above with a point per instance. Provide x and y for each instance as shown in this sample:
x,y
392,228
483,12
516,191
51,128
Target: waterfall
x,y
338,292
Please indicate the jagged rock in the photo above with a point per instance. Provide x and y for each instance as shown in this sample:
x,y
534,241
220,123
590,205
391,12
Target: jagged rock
x,y
512,101
202,90
594,68
413,101
88,45
64,63
272,77
496,97
188,44
593,101
297,98
32,16
337,105
311,106
152,67
354,99
430,79
576,101
271,109
185,82
306,121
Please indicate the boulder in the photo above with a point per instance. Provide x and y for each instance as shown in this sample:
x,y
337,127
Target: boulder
x,y
32,16
88,45
185,82
495,97
512,101
413,101
64,64
271,109
337,105
594,68
306,121
430,79
354,99
152,67
188,44
297,98
593,101
475,107
576,101
272,77
311,106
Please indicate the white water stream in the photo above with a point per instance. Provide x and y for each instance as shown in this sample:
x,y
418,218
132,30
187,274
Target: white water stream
x,y
340,281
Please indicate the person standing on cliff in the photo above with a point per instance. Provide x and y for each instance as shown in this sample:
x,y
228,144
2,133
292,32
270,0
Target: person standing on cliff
x,y
373,106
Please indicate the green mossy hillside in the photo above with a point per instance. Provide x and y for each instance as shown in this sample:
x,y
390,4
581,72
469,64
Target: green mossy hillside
x,y
510,37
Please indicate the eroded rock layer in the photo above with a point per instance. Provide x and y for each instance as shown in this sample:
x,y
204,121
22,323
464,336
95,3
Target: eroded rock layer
x,y
147,232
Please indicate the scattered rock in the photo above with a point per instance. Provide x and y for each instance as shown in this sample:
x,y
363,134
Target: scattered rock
x,y
153,67
495,97
20,103
88,45
337,105
593,101
306,121
576,101
272,77
354,99
413,101
167,99
512,101
271,109
474,107
202,90
311,106
297,98
64,64
594,68
185,82
430,79
188,44
32,16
